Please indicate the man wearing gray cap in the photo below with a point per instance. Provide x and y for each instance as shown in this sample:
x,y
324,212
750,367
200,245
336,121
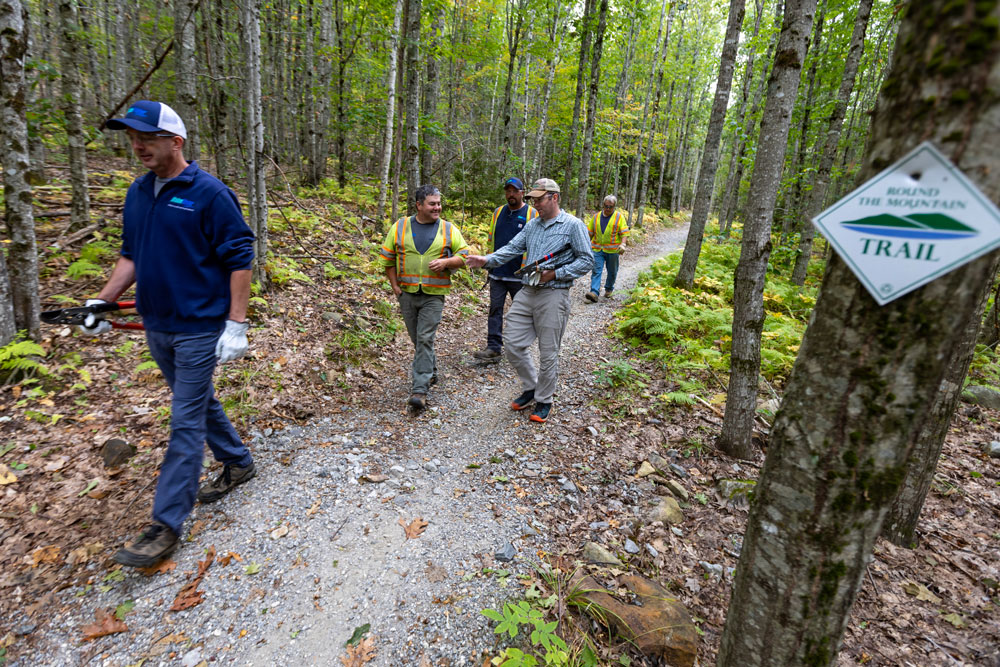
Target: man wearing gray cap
x,y
558,247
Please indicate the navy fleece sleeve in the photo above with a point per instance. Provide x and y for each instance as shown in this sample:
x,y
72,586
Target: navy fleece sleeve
x,y
228,233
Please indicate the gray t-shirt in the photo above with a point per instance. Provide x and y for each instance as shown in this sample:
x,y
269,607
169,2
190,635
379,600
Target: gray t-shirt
x,y
423,234
158,185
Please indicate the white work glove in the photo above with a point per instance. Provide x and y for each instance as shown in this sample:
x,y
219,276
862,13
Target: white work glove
x,y
233,341
94,325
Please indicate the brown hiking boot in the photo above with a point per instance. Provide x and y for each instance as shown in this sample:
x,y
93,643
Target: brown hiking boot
x,y
154,544
489,354
591,296
231,477
418,401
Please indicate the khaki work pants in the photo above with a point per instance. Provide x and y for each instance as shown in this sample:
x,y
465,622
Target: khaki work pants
x,y
537,313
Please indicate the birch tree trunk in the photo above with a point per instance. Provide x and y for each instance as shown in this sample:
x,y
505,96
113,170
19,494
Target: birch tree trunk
x,y
19,302
656,72
710,155
256,160
821,180
390,107
72,91
555,42
866,378
585,22
748,282
412,158
185,79
514,32
595,91
430,99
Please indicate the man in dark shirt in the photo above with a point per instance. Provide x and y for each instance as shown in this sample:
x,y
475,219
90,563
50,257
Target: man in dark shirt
x,y
508,221
189,252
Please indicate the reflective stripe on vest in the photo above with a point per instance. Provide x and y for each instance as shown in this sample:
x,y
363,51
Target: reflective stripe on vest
x,y
411,279
610,239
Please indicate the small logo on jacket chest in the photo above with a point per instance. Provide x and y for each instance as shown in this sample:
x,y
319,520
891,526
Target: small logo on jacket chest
x,y
182,204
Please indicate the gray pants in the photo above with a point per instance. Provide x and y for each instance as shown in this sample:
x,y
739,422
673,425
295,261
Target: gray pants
x,y
422,314
542,313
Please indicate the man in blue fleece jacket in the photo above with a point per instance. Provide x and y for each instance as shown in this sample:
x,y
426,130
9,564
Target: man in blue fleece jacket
x,y
188,250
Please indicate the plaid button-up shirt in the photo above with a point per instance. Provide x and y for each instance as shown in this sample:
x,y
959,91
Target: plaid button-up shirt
x,y
541,237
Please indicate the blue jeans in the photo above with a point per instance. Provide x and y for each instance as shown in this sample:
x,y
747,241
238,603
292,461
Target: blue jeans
x,y
187,362
499,289
600,260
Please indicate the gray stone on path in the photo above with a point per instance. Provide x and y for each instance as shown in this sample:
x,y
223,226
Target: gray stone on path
x,y
595,553
992,449
714,569
567,485
645,470
675,488
984,396
678,470
116,452
736,491
667,511
631,547
506,554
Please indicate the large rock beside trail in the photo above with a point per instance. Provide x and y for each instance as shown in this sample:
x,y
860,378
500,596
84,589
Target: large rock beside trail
x,y
661,627
116,452
667,511
984,396
595,553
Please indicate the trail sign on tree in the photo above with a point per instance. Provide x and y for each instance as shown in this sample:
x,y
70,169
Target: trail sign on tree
x,y
912,223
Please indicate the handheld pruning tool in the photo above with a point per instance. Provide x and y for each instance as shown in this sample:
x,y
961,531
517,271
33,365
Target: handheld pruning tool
x,y
78,314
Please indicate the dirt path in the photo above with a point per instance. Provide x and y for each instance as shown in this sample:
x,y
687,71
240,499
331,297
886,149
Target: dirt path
x,y
314,547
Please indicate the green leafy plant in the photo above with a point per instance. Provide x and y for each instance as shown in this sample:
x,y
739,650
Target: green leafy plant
x,y
541,635
19,360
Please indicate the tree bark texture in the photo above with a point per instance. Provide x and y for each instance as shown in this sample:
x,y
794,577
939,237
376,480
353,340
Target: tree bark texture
x,y
900,525
19,301
390,107
595,91
72,90
710,155
430,100
412,159
585,35
866,378
751,271
256,159
821,180
186,82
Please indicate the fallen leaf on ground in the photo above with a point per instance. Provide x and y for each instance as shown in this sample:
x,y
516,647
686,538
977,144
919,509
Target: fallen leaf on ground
x,y
82,554
280,531
372,478
359,654
921,592
190,596
358,633
414,529
955,620
162,567
49,554
106,624
6,476
198,526
436,573
315,508
229,557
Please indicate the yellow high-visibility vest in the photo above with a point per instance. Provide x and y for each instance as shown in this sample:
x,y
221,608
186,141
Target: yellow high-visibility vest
x,y
530,215
413,268
610,240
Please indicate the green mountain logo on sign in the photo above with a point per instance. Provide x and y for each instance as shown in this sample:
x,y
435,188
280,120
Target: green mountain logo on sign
x,y
924,226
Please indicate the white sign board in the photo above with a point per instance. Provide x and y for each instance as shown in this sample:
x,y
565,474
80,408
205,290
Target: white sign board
x,y
914,222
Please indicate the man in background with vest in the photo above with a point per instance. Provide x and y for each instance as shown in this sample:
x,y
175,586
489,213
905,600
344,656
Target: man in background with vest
x,y
557,242
508,221
189,252
608,229
419,254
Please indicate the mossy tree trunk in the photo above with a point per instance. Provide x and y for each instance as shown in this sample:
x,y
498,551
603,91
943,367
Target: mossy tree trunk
x,y
865,382
748,286
72,91
22,251
595,91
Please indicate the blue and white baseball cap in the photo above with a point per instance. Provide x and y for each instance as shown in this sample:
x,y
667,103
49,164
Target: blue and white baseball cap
x,y
515,182
146,116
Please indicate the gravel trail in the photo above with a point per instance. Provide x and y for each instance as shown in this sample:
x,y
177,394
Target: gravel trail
x,y
314,546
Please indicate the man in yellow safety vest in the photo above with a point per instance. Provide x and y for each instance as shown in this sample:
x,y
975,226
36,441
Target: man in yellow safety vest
x,y
418,254
608,229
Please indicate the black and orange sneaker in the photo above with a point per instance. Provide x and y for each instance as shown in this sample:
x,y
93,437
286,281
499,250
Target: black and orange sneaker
x,y
540,413
523,401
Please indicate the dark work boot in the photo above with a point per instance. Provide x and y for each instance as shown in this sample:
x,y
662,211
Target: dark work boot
x,y
231,477
154,544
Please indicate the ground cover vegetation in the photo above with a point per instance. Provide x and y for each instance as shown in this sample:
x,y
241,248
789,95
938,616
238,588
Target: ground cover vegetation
x,y
288,103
